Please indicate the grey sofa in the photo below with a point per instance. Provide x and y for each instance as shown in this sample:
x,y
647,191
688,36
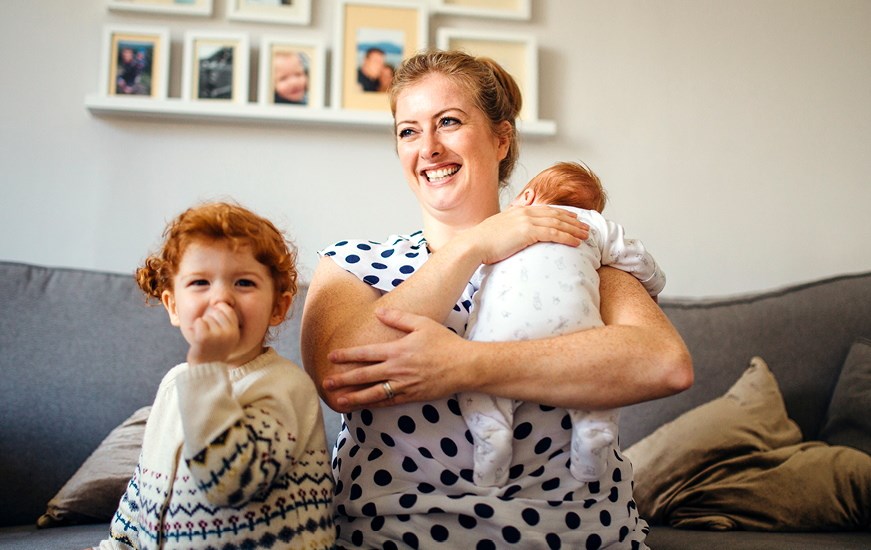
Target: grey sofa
x,y
79,352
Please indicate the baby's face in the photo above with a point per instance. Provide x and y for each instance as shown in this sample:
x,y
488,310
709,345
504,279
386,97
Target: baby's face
x,y
291,82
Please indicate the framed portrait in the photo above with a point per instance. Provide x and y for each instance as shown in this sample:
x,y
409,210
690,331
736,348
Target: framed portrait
x,y
296,12
505,9
372,37
135,62
516,52
180,7
215,67
292,72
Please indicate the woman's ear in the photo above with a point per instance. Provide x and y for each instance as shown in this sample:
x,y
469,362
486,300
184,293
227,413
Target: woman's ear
x,y
279,312
167,298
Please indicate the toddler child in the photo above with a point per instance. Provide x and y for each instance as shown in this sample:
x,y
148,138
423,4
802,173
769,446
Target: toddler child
x,y
545,290
234,454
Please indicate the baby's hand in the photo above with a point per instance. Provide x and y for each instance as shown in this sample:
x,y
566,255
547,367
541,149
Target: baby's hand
x,y
214,336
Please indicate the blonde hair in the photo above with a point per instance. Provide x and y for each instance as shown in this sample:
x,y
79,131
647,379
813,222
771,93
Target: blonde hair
x,y
490,87
219,221
569,184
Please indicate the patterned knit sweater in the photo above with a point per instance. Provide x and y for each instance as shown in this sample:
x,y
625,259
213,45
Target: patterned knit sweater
x,y
232,458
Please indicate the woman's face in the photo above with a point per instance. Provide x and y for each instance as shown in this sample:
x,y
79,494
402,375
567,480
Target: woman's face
x,y
448,151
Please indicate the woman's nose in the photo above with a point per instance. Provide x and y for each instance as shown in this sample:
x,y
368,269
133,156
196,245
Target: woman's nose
x,y
431,146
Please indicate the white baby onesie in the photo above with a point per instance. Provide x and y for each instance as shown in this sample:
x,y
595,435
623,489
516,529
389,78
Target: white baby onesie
x,y
545,290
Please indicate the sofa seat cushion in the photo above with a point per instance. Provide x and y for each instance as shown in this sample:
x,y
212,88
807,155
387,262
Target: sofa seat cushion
x,y
737,462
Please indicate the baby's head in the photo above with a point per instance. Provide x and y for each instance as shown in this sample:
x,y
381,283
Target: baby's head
x,y
567,184
226,223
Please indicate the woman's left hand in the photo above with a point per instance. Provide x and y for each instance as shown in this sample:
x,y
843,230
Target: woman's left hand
x,y
420,366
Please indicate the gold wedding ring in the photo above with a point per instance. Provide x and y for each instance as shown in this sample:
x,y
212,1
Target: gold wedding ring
x,y
388,391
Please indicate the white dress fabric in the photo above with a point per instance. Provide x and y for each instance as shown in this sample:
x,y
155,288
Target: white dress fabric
x,y
546,290
404,473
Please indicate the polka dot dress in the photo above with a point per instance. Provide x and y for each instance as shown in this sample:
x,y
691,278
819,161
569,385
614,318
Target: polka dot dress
x,y
404,474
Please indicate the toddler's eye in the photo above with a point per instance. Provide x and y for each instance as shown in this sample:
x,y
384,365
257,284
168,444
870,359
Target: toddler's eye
x,y
245,282
199,282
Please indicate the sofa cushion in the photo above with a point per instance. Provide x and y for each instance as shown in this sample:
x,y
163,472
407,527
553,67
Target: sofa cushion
x,y
848,420
93,492
737,463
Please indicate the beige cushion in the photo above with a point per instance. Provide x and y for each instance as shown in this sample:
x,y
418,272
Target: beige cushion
x,y
737,462
93,492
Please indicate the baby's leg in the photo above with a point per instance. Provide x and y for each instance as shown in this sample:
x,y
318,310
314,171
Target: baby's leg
x,y
491,423
593,433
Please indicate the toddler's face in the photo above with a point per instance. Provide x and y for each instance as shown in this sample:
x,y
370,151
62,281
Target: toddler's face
x,y
212,273
291,82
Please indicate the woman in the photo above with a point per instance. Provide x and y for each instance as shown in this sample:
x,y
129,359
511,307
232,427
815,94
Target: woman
x,y
380,338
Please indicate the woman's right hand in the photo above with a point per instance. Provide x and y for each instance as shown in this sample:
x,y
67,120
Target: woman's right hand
x,y
510,231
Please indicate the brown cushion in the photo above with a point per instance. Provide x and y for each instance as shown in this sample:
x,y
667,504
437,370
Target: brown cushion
x,y
848,420
93,492
749,417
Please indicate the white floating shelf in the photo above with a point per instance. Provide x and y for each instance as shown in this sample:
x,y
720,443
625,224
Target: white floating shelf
x,y
252,112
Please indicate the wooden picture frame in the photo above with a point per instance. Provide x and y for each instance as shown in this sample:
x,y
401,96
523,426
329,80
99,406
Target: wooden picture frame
x,y
215,67
178,7
503,9
282,55
373,37
135,62
290,12
516,52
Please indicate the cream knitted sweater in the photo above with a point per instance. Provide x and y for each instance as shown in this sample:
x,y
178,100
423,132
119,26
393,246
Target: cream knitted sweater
x,y
232,458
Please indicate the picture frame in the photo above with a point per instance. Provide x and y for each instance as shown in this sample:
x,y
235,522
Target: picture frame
x,y
135,62
178,7
290,56
291,12
372,37
516,52
503,9
216,67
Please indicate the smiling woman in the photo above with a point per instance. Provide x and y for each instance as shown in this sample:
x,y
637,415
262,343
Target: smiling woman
x,y
399,307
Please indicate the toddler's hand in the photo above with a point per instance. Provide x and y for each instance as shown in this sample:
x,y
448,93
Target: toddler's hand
x,y
214,335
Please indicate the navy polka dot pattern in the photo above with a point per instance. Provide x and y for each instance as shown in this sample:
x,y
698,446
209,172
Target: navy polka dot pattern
x,y
404,474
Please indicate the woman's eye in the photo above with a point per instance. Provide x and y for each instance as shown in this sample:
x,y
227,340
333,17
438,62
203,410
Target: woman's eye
x,y
405,132
449,121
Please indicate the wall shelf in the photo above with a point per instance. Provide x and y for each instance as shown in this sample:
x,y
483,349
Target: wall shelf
x,y
250,112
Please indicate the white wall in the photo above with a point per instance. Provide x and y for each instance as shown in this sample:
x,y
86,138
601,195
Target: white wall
x,y
733,138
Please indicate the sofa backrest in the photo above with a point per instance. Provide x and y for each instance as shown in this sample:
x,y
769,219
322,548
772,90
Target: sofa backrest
x,y
803,332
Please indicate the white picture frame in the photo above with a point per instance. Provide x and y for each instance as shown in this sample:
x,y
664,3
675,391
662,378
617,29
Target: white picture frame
x,y
208,58
201,8
501,9
516,52
399,28
297,12
135,61
311,55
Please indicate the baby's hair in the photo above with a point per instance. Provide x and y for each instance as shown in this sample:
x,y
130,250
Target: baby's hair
x,y
219,221
569,184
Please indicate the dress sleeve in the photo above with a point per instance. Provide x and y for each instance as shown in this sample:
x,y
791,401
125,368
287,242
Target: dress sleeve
x,y
383,265
628,255
237,451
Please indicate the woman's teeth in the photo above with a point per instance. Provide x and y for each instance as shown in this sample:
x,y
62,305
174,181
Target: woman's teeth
x,y
441,173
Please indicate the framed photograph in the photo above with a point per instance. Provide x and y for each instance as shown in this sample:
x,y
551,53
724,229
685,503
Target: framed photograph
x,y
292,72
179,7
295,12
372,37
135,62
505,9
215,67
516,52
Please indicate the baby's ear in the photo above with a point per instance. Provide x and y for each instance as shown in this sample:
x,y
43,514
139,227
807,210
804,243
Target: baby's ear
x,y
525,198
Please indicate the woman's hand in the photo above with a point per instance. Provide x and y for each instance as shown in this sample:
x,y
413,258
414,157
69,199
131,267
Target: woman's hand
x,y
422,365
510,231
